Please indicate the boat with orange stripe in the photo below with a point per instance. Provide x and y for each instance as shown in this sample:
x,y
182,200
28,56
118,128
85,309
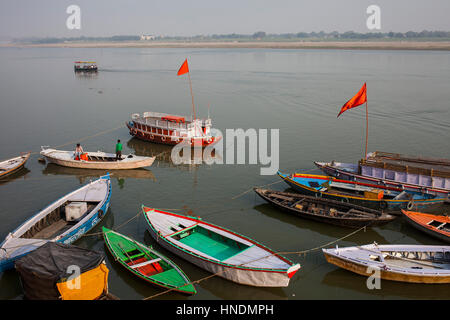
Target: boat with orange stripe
x,y
377,196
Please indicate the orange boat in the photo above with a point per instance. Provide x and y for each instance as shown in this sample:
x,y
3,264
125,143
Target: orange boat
x,y
434,225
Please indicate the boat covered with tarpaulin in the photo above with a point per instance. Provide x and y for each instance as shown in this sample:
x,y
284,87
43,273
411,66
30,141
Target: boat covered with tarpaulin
x,y
56,271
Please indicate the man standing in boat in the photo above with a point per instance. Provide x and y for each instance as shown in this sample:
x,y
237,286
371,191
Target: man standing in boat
x,y
118,151
78,152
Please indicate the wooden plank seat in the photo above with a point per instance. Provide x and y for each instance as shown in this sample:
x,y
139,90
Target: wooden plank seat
x,y
145,263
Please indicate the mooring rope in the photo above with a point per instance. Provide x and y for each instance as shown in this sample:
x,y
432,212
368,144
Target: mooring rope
x,y
304,252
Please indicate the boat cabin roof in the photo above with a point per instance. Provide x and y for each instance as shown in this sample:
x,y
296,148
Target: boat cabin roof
x,y
176,119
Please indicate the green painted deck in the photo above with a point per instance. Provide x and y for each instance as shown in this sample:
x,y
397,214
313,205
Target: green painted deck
x,y
212,244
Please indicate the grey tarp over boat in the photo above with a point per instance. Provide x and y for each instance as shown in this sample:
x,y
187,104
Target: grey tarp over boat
x,y
41,269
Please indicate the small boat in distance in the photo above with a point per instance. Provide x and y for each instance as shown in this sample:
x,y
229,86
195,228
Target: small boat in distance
x,y
13,165
85,66
147,263
370,195
96,160
218,250
324,210
64,221
171,129
405,263
425,175
434,225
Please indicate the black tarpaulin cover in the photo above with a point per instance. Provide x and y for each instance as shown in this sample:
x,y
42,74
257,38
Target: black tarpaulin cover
x,y
41,269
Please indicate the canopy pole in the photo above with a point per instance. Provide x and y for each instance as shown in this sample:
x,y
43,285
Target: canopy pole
x,y
192,95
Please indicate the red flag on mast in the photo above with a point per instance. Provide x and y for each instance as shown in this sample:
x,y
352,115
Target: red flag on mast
x,y
357,100
183,69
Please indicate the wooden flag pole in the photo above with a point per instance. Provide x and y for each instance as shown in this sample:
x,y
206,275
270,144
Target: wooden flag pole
x,y
192,95
367,129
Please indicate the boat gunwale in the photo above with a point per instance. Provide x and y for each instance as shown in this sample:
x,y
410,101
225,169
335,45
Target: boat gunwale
x,y
145,277
218,262
327,165
360,198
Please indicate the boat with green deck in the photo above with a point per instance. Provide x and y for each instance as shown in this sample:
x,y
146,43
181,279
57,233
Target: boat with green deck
x,y
147,263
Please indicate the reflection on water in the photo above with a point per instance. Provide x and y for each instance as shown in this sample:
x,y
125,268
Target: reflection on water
x,y
163,154
343,279
22,173
84,175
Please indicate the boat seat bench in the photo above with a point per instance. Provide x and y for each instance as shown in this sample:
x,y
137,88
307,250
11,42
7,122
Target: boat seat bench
x,y
145,263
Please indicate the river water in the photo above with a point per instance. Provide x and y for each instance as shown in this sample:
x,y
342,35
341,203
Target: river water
x,y
299,92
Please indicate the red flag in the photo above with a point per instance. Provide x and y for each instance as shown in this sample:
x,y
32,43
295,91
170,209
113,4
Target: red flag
x,y
183,69
357,100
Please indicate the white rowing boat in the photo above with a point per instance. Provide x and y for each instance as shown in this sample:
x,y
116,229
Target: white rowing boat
x,y
405,263
96,160
219,250
10,166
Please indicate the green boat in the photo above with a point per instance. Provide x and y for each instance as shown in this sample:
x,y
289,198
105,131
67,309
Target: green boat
x,y
147,263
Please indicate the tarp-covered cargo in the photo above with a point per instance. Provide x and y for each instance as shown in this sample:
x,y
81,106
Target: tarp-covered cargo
x,y
59,271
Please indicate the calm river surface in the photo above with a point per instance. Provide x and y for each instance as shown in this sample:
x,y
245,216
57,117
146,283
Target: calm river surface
x,y
300,92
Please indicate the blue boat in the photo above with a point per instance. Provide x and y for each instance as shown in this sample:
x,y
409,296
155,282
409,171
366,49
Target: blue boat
x,y
374,196
63,221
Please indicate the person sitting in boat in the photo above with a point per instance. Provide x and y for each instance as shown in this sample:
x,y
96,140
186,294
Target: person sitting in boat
x,y
78,152
118,150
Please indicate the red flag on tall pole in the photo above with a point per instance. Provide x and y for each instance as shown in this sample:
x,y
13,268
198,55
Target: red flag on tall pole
x,y
357,100
185,69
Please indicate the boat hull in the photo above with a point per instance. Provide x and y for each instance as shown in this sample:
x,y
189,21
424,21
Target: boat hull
x,y
377,204
258,277
349,223
414,220
168,140
15,169
86,226
362,269
99,165
353,176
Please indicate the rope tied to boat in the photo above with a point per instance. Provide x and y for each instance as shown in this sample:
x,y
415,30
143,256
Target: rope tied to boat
x,y
304,252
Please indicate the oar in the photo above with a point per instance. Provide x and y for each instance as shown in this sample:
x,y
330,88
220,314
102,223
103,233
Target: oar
x,y
400,258
123,251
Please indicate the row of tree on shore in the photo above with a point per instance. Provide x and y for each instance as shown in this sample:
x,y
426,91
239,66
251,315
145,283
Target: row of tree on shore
x,y
259,36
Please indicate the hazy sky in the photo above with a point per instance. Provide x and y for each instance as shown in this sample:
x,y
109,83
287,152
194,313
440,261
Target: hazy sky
x,y
42,18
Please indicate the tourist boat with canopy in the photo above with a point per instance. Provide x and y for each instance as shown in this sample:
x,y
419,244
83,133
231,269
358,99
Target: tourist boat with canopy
x,y
437,226
96,160
64,221
324,210
85,66
405,263
419,174
13,165
371,195
218,250
147,263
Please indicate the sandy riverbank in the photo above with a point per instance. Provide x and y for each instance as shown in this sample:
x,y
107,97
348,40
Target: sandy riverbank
x,y
368,45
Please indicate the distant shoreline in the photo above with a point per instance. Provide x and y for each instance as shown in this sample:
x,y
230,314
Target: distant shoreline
x,y
364,45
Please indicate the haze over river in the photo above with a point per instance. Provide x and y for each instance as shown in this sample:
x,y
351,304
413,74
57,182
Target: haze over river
x,y
300,92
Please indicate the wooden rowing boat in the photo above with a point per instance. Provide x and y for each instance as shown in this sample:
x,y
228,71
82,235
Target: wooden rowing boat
x,y
64,221
218,250
370,195
434,225
405,263
13,165
324,210
96,160
389,176
147,263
